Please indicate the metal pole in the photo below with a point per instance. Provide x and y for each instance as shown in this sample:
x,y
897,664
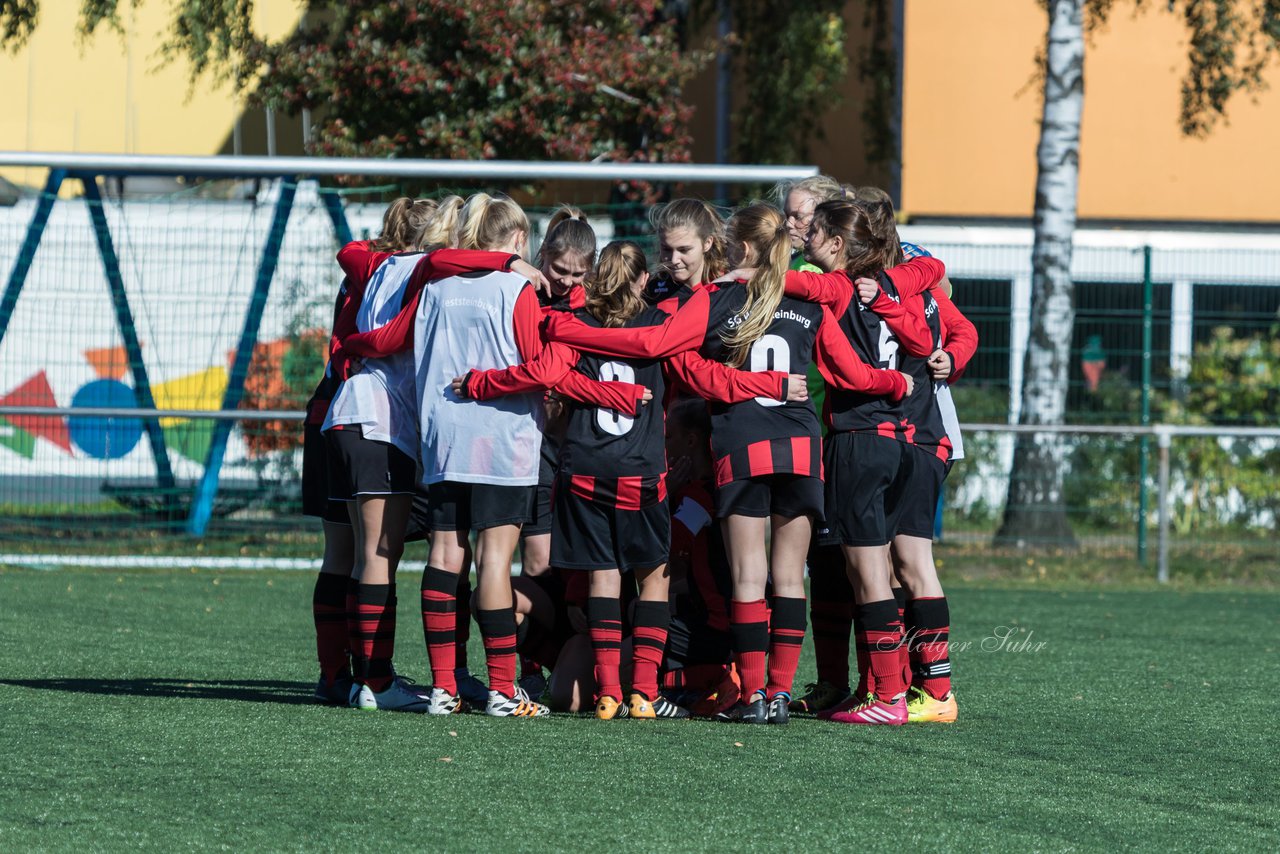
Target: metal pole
x,y
447,170
207,489
1163,440
724,79
27,254
1144,453
129,332
337,215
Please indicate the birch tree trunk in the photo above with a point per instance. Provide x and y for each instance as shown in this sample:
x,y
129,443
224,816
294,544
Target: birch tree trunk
x,y
1035,510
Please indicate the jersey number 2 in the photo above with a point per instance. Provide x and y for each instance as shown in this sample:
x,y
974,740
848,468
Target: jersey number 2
x,y
611,422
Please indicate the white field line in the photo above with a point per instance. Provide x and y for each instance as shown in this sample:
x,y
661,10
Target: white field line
x,y
54,562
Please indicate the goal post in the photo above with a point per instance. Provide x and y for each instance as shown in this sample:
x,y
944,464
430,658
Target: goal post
x,y
193,504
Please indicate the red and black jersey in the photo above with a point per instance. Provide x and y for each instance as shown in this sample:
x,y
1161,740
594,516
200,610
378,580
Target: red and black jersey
x,y
922,421
762,435
876,344
697,543
608,456
666,293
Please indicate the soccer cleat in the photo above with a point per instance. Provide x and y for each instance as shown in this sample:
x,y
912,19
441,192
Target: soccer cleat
x,y
755,712
780,709
609,709
335,693
444,703
399,696
922,708
642,708
502,706
874,712
472,691
844,705
818,697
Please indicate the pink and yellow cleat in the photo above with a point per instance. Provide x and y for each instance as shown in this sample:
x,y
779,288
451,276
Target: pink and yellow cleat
x,y
875,712
922,708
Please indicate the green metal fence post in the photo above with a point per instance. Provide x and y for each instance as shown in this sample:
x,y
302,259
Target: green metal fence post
x,y
39,219
1144,453
207,488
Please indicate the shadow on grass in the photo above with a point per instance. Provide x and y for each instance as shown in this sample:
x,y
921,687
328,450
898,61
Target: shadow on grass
x,y
249,691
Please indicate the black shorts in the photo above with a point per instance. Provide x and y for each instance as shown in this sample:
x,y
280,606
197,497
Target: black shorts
x,y
315,479
867,476
419,527
591,535
454,506
691,641
540,519
789,495
360,466
920,504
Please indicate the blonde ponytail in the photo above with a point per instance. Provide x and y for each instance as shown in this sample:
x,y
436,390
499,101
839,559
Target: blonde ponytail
x,y
763,231
609,295
441,228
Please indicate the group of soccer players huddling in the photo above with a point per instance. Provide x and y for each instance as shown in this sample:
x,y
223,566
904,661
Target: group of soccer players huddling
x,y
651,442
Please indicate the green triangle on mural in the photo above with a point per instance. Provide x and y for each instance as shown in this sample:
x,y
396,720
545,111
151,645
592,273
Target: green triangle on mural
x,y
190,438
17,440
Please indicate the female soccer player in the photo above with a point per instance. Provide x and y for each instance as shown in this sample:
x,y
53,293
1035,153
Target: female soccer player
x,y
372,435
938,342
690,248
565,258
329,604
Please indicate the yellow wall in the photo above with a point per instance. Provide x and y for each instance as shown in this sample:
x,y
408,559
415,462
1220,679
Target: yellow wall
x,y
111,95
969,138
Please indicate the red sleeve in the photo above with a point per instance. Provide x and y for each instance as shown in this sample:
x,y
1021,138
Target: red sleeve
x,y
451,262
684,330
354,260
959,335
906,320
525,322
621,397
841,366
832,290
544,370
716,381
916,276
395,336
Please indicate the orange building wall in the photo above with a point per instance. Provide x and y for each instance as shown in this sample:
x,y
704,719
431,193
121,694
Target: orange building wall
x,y
969,137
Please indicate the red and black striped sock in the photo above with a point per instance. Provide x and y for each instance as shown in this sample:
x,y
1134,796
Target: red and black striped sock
x,y
439,617
883,634
462,625
376,624
604,621
786,640
749,625
904,650
329,611
831,612
498,629
648,641
928,638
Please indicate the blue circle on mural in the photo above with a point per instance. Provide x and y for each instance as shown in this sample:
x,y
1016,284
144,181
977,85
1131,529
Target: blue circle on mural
x,y
105,438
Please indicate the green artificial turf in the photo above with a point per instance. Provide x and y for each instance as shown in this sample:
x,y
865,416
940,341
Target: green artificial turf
x,y
170,710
